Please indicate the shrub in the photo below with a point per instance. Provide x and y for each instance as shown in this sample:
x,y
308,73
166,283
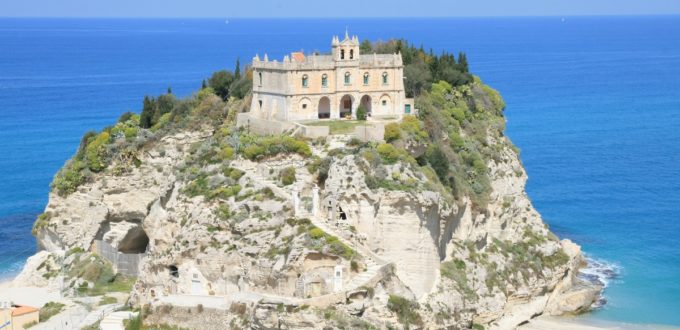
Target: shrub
x,y
361,113
392,132
288,176
49,309
405,309
125,117
95,152
42,222
316,233
69,178
388,153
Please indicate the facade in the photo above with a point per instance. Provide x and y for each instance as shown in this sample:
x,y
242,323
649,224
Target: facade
x,y
331,86
17,317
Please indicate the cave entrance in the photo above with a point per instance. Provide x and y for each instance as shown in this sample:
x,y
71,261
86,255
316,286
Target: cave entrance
x,y
341,213
124,244
134,242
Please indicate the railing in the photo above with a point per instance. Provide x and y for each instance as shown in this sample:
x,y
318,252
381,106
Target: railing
x,y
124,263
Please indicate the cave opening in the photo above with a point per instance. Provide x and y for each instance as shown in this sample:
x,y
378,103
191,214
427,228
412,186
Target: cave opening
x,y
135,241
174,271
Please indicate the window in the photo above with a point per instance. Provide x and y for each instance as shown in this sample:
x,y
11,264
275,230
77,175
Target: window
x,y
384,102
366,78
351,54
305,81
384,78
324,80
304,106
259,74
347,78
342,54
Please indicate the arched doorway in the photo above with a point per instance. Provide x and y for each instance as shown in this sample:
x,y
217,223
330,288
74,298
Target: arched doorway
x,y
366,104
324,108
345,106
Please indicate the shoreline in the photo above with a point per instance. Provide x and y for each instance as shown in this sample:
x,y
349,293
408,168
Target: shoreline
x,y
578,322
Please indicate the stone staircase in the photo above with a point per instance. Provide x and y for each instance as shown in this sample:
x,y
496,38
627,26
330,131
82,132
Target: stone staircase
x,y
98,314
114,321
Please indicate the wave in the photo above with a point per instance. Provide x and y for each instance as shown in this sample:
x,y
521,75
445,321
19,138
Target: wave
x,y
599,272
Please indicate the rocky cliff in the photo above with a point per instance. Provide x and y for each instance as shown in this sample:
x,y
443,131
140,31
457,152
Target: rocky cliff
x,y
430,230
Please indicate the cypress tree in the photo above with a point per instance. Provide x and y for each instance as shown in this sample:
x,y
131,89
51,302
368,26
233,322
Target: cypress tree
x,y
203,84
169,90
237,72
146,117
462,61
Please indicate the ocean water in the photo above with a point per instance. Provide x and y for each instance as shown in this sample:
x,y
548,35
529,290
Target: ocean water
x,y
592,102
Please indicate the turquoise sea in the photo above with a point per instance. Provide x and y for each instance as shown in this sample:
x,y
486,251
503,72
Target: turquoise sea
x,y
592,102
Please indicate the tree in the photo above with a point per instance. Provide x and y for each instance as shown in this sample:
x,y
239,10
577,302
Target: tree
x,y
146,117
220,81
203,84
462,62
418,77
169,90
237,71
365,47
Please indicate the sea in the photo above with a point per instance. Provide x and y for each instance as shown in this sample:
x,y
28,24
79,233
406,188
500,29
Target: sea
x,y
592,102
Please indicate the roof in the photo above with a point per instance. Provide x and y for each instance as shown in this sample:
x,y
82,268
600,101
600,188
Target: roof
x,y
298,56
21,310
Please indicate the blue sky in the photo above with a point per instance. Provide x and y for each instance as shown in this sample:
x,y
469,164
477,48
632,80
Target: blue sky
x,y
325,8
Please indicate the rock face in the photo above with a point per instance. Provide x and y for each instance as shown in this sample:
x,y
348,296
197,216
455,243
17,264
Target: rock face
x,y
497,266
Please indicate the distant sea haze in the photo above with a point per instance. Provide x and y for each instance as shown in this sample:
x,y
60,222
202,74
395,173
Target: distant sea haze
x,y
592,102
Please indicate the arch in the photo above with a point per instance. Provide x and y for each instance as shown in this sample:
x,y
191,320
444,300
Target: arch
x,y
346,103
366,104
324,109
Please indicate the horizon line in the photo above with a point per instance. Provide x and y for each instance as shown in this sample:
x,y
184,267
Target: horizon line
x,y
342,17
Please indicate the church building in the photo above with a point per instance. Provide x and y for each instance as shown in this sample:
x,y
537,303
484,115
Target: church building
x,y
312,87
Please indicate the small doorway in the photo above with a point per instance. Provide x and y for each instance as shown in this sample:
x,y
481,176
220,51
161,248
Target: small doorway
x,y
196,287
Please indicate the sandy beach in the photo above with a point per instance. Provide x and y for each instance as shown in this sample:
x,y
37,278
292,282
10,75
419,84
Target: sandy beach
x,y
31,296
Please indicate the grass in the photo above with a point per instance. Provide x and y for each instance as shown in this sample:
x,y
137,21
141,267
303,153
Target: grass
x,y
406,310
50,309
107,300
338,126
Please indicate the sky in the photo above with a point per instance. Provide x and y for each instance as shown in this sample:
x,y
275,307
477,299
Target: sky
x,y
326,8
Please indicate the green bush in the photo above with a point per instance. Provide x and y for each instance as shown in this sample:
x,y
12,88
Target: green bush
x,y
406,310
69,178
49,309
95,152
392,132
361,113
388,153
288,176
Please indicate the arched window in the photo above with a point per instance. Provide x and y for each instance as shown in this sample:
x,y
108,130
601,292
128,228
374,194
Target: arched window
x,y
384,78
324,80
305,81
259,74
366,78
347,78
342,54
351,54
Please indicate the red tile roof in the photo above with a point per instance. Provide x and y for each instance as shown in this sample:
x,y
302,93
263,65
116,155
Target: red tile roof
x,y
21,310
298,56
